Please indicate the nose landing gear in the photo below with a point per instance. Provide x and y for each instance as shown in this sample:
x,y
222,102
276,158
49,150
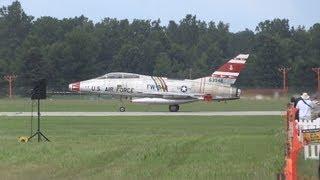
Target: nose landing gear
x,y
174,108
122,108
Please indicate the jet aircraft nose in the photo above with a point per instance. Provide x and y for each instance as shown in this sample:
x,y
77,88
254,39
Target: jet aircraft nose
x,y
74,86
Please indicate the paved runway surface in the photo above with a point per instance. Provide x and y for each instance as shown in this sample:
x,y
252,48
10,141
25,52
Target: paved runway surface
x,y
220,113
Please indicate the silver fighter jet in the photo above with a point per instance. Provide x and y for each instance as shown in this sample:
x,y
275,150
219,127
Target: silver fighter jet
x,y
145,89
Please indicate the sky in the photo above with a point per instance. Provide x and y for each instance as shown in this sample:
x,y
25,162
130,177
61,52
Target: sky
x,y
240,14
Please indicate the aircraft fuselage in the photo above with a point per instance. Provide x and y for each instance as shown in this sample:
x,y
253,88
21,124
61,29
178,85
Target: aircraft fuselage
x,y
135,85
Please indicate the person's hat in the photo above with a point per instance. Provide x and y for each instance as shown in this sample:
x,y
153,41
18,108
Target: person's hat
x,y
305,96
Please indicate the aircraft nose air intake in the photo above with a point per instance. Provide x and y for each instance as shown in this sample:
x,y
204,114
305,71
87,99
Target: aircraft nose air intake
x,y
74,86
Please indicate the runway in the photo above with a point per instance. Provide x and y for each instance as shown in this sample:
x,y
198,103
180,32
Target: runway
x,y
92,114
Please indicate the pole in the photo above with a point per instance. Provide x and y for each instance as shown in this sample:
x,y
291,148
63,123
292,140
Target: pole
x,y
38,120
10,88
10,79
285,71
317,71
39,133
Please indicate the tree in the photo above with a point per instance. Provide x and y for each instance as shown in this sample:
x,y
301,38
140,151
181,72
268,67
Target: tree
x,y
162,65
14,28
33,66
72,49
200,67
80,54
270,51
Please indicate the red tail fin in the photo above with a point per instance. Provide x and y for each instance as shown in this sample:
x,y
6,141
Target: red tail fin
x,y
231,70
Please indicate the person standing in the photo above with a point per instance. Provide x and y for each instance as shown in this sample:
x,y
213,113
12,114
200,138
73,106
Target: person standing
x,y
297,100
305,105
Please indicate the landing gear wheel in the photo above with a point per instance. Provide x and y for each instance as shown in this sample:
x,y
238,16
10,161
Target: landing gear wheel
x,y
173,108
122,109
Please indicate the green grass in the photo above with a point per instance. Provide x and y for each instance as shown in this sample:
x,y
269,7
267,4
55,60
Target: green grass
x,y
308,169
144,148
92,103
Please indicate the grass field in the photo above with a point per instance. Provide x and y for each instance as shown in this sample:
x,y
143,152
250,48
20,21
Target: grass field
x,y
144,148
92,103
308,169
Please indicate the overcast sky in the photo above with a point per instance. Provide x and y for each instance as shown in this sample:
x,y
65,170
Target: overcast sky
x,y
240,14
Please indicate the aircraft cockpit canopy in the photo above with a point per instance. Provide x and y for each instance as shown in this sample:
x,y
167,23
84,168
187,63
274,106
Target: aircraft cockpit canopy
x,y
119,76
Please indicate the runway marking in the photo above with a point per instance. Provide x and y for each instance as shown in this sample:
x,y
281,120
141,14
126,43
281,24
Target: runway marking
x,y
92,114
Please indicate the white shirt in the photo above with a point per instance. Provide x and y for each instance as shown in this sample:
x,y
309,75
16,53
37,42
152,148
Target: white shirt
x,y
305,110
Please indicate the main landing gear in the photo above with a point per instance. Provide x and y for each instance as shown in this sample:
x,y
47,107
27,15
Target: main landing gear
x,y
174,108
122,108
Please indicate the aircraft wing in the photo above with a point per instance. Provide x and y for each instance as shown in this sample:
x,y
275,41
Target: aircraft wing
x,y
171,95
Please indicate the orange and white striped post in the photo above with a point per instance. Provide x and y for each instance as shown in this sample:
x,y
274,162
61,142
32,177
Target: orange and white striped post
x,y
294,146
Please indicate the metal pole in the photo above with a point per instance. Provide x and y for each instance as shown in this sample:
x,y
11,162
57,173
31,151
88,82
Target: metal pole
x,y
284,81
39,133
10,79
317,71
38,120
284,71
10,88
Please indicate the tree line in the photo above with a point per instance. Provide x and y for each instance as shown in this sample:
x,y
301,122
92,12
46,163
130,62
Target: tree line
x,y
71,49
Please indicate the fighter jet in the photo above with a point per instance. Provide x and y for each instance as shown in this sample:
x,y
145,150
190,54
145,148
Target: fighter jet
x,y
145,89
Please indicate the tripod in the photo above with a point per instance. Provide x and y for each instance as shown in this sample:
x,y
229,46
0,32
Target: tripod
x,y
38,132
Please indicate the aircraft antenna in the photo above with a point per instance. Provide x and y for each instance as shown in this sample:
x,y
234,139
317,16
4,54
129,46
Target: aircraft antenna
x,y
10,79
285,71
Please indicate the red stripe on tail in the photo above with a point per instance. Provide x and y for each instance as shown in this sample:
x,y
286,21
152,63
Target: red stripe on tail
x,y
231,67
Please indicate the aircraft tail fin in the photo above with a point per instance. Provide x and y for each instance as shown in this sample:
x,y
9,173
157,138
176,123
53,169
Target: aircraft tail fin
x,y
231,70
